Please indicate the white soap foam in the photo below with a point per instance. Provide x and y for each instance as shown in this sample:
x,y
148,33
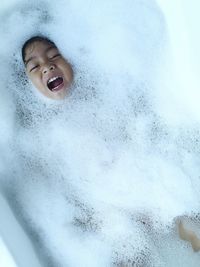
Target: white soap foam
x,y
98,179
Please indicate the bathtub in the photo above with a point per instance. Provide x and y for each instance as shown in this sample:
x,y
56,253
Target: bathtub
x,y
16,249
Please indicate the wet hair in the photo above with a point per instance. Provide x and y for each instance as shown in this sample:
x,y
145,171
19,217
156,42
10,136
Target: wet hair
x,y
33,39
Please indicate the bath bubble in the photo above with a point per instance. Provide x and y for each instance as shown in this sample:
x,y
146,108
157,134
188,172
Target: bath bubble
x,y
99,178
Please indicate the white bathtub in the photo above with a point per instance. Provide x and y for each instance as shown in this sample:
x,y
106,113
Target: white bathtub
x,y
16,249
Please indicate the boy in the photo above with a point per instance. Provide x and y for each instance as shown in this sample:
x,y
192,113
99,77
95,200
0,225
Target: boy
x,y
52,75
47,69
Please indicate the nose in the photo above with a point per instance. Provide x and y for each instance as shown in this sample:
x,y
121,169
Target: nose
x,y
48,68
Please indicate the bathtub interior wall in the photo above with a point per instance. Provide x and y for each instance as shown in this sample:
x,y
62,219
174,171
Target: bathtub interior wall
x,y
99,178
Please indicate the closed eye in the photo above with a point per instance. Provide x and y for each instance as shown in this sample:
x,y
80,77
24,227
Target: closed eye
x,y
57,55
34,67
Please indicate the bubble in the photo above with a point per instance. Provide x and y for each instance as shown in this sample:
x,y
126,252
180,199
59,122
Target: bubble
x,y
99,178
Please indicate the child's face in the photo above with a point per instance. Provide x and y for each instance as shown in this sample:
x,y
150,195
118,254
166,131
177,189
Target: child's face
x,y
49,72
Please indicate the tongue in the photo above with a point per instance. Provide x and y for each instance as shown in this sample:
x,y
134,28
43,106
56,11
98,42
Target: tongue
x,y
52,85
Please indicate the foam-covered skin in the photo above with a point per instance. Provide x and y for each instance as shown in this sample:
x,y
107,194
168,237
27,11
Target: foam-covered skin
x,y
99,178
189,231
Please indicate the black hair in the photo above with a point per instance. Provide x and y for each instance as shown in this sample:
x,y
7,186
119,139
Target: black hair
x,y
38,38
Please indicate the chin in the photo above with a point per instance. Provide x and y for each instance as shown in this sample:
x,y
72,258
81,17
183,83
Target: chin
x,y
60,95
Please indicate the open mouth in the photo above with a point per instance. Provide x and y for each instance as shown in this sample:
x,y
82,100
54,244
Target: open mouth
x,y
55,83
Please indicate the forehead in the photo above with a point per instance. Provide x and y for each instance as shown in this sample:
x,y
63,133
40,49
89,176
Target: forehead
x,y
37,48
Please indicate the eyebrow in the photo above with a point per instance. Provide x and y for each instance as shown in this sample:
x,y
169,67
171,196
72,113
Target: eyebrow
x,y
31,58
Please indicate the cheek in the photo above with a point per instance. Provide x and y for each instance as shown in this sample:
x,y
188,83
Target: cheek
x,y
68,71
36,80
65,67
